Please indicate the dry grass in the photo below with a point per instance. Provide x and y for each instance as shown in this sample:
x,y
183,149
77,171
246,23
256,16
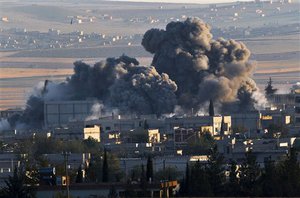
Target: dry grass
x,y
13,97
270,67
31,72
40,60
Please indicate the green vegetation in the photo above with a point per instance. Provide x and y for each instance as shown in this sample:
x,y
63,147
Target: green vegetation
x,y
168,173
269,90
79,176
16,186
274,129
37,146
149,174
105,168
279,179
200,144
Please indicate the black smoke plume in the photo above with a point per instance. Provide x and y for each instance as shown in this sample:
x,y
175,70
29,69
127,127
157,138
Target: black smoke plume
x,y
202,68
118,82
189,69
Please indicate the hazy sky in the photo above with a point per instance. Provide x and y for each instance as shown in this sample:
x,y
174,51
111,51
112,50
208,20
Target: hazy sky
x,y
187,1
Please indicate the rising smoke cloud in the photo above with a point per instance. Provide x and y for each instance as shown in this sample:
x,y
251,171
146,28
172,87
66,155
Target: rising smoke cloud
x,y
189,68
203,68
119,83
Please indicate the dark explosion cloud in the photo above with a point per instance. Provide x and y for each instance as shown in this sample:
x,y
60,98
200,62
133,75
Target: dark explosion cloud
x,y
202,68
188,69
118,82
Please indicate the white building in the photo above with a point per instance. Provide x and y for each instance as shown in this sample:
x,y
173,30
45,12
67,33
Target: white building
x,y
92,131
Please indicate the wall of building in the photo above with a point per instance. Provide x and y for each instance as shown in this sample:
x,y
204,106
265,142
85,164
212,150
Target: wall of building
x,y
297,110
92,131
199,121
8,161
153,135
109,124
59,113
249,120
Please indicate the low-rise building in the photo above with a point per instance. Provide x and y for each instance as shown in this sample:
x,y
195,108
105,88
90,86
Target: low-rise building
x,y
277,117
92,131
8,162
126,123
77,131
263,149
215,122
184,135
250,121
74,159
297,110
10,112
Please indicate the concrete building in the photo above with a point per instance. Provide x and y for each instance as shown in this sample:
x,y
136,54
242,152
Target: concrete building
x,y
113,128
113,137
10,112
263,149
200,121
153,135
122,123
136,149
8,136
74,159
8,162
250,121
60,113
282,101
297,110
290,104
184,135
277,117
92,131
77,131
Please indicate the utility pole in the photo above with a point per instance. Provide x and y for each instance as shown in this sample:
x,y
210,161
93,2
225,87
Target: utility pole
x,y
165,182
66,158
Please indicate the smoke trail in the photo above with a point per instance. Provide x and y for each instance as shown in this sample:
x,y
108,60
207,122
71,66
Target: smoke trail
x,y
97,111
202,68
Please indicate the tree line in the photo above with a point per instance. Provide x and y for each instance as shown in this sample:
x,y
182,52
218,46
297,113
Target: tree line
x,y
248,179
